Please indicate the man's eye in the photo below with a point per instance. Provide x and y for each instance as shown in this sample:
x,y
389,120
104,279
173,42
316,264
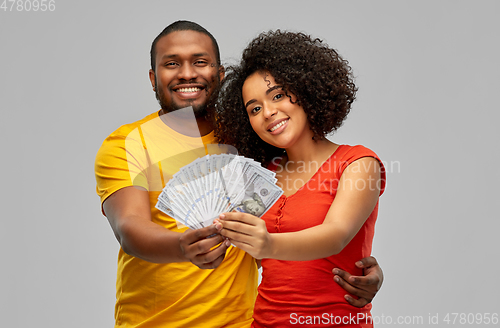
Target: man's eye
x,y
171,64
200,63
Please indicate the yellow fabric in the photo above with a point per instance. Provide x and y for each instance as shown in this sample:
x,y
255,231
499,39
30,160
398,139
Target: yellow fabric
x,y
147,153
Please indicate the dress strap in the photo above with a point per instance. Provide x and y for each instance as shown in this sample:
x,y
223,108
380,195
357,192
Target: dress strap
x,y
273,165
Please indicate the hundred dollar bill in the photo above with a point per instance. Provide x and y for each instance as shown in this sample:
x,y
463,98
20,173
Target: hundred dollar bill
x,y
200,191
258,196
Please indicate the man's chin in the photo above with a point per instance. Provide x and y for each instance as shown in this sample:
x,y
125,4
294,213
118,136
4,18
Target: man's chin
x,y
199,110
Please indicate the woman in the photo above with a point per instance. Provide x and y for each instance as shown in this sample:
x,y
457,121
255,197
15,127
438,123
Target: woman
x,y
277,107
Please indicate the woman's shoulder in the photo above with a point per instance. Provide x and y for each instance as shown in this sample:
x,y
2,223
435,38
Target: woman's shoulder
x,y
346,152
274,163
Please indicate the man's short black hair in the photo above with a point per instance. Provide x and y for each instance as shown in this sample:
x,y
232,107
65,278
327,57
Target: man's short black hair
x,y
183,25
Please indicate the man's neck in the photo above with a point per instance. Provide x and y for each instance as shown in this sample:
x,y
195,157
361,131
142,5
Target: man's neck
x,y
184,122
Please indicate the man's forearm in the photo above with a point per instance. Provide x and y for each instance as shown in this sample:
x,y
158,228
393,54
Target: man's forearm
x,y
150,242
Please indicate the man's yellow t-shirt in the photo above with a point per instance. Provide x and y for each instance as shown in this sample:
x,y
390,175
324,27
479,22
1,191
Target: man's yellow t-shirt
x,y
146,154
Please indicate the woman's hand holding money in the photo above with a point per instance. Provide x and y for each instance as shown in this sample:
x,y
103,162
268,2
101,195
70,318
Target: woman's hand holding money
x,y
248,233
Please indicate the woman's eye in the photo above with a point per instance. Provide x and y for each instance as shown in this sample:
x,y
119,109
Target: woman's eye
x,y
278,96
255,110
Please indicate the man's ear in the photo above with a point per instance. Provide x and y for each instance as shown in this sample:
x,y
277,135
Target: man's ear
x,y
222,72
152,78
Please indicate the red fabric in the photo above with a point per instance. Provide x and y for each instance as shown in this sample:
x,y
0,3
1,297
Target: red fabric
x,y
296,293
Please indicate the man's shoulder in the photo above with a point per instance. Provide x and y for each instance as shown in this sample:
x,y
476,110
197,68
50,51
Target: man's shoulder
x,y
126,136
119,159
126,129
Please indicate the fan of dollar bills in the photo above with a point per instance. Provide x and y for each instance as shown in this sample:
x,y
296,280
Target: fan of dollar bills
x,y
214,184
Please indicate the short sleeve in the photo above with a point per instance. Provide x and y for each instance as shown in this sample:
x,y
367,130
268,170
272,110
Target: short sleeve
x,y
120,162
356,152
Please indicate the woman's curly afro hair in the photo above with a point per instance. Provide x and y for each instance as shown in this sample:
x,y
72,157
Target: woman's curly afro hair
x,y
319,78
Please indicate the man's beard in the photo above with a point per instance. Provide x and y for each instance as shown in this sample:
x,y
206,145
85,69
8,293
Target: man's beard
x,y
199,110
168,107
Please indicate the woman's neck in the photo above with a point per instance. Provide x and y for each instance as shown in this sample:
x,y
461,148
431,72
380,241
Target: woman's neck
x,y
311,151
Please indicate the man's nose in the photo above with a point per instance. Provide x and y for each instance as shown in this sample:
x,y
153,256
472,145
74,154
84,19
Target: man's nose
x,y
187,72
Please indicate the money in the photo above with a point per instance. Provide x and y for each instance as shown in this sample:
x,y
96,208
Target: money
x,y
214,184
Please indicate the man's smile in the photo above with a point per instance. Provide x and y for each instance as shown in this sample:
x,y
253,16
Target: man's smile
x,y
188,91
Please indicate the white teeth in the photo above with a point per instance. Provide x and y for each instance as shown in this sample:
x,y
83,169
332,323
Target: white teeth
x,y
278,125
188,90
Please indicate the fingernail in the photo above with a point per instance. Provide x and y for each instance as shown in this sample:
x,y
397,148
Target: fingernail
x,y
336,279
222,216
227,242
218,226
347,297
336,271
359,264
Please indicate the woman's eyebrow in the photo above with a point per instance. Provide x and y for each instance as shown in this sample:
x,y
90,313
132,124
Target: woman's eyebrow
x,y
251,101
273,88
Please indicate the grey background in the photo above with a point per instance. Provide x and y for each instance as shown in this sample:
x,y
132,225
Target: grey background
x,y
428,77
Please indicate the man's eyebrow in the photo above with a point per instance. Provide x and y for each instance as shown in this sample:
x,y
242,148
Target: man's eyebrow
x,y
168,56
200,54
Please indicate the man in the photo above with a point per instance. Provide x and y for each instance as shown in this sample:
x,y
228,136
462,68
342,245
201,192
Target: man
x,y
156,284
